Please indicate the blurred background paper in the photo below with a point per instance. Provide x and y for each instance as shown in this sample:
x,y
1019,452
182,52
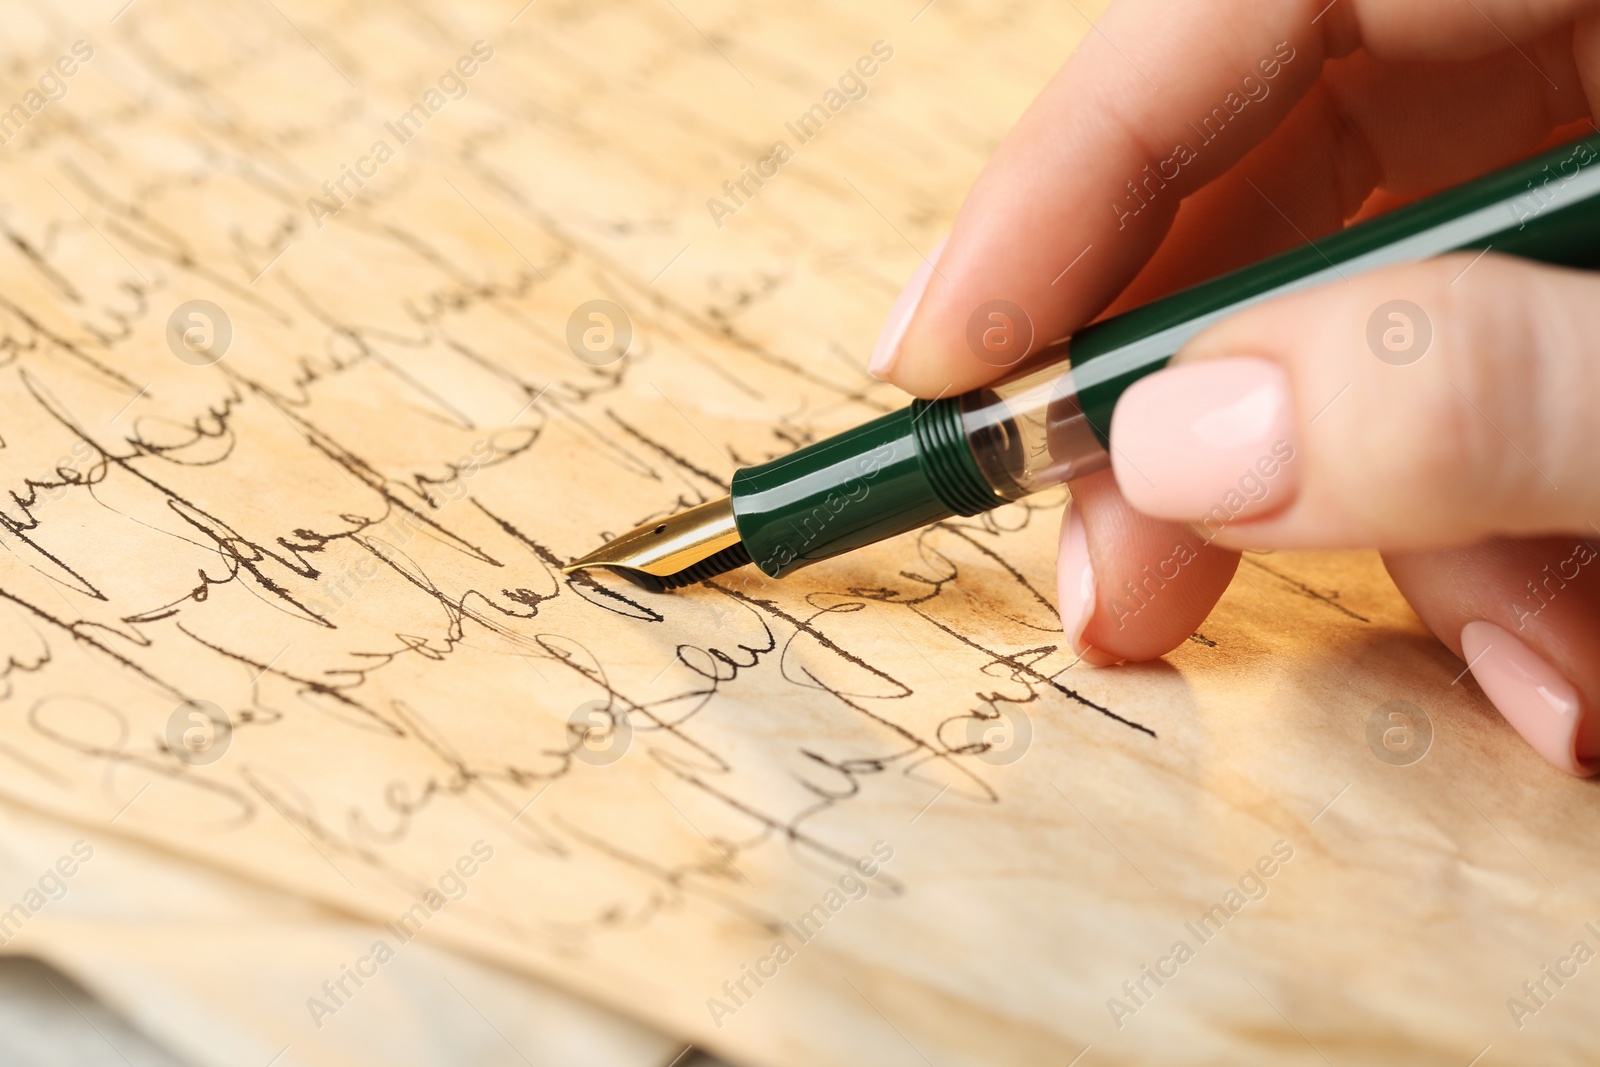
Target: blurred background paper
x,y
304,400
217,970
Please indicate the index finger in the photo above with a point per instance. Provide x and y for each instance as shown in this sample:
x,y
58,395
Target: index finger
x,y
1159,101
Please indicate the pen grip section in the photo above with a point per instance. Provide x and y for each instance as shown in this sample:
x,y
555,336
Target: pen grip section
x,y
896,473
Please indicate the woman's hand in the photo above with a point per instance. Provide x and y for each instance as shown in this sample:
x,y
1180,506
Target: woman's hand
x,y
1446,413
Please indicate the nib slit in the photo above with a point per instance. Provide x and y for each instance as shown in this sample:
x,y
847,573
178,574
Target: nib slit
x,y
688,547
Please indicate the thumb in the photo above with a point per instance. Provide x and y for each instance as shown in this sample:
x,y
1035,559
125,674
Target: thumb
x,y
1426,406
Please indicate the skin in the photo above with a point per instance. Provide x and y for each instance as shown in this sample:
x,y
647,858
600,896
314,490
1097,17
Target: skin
x,y
1384,101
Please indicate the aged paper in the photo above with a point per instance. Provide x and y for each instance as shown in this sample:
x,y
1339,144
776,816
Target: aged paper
x,y
301,415
211,967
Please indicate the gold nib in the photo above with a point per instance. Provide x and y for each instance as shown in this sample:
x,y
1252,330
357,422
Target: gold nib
x,y
666,554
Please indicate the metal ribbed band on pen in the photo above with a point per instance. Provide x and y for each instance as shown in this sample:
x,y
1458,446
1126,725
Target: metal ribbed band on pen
x,y
947,459
1049,422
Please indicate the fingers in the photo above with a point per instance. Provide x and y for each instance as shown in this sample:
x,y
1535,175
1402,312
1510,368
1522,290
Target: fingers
x,y
1445,29
1434,124
1132,587
1525,616
1428,406
1086,187
1409,128
1083,189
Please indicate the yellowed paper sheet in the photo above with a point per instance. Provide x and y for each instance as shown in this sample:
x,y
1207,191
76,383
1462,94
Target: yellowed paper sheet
x,y
217,970
295,611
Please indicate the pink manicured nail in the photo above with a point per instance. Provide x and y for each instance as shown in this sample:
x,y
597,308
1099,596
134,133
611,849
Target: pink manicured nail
x,y
905,306
1075,579
1543,706
1075,589
1212,441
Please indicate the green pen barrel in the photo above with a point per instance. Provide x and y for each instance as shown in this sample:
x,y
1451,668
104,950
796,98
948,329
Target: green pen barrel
x,y
896,473
1547,208
1050,421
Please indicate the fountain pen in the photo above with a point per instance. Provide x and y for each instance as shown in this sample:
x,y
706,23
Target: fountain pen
x,y
1049,421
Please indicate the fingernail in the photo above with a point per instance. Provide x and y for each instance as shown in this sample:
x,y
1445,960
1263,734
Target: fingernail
x,y
905,306
1075,579
1543,706
1075,588
1212,440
